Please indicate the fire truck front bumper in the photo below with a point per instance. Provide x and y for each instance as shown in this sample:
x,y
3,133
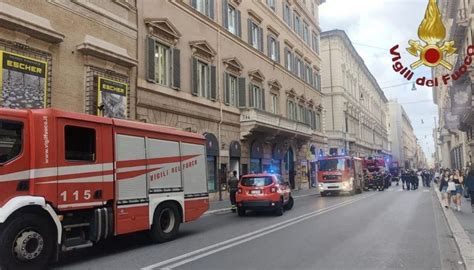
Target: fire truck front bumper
x,y
335,187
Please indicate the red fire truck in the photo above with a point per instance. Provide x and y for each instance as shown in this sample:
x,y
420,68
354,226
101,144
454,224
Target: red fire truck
x,y
70,180
340,174
376,176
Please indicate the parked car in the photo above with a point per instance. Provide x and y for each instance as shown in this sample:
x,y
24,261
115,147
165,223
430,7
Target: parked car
x,y
264,192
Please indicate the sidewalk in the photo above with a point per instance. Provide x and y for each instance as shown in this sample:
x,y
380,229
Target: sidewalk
x,y
466,218
224,205
461,225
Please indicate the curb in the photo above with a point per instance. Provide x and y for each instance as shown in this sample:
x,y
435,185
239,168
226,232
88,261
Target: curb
x,y
465,247
227,209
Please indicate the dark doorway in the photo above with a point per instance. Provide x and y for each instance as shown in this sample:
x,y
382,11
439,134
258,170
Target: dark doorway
x,y
312,168
290,163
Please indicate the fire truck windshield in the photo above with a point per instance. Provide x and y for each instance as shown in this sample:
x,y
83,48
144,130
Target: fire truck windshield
x,y
331,165
10,140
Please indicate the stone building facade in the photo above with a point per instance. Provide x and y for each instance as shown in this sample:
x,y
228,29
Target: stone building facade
x,y
455,133
77,44
243,73
356,107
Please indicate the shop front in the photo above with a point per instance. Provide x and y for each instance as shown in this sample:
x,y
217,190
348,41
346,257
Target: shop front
x,y
212,151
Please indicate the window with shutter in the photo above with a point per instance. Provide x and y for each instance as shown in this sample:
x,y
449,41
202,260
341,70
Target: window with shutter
x,y
272,48
274,103
231,96
162,64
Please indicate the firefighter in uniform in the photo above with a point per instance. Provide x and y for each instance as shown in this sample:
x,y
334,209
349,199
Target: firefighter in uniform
x,y
233,184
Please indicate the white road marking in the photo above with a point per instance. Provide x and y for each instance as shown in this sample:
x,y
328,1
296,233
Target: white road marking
x,y
212,249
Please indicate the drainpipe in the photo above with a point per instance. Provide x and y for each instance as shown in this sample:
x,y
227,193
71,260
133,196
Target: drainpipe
x,y
219,98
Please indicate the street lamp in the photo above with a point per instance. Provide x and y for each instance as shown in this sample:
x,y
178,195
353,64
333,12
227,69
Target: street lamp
x,y
413,87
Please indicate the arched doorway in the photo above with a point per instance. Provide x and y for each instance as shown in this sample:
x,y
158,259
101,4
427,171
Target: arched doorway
x,y
212,150
256,155
290,166
234,155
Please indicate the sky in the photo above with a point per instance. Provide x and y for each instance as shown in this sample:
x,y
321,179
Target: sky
x,y
375,26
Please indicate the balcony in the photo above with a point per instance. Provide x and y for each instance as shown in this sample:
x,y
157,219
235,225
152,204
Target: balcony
x,y
254,120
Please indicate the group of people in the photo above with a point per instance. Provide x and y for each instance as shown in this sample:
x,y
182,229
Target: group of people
x,y
454,184
411,178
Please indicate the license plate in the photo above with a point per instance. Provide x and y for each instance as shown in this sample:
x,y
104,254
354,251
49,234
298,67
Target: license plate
x,y
255,192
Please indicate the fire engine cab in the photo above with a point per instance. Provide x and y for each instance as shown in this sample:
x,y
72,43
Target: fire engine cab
x,y
338,174
70,180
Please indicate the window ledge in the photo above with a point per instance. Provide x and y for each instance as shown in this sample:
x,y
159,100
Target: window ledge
x,y
105,50
19,20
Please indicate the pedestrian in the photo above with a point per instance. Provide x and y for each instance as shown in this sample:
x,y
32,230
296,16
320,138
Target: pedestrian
x,y
469,185
404,177
233,185
458,180
436,177
419,176
443,188
414,180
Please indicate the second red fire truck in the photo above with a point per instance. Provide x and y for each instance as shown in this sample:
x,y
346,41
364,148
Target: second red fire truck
x,y
70,180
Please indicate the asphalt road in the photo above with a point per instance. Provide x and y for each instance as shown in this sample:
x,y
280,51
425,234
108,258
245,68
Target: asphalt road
x,y
375,230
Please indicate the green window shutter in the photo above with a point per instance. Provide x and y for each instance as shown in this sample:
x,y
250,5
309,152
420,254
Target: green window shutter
x,y
251,105
242,97
226,89
211,9
225,14
151,60
176,69
213,85
239,24
194,89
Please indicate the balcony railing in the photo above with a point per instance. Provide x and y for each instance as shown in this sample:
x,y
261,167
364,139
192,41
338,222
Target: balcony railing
x,y
274,121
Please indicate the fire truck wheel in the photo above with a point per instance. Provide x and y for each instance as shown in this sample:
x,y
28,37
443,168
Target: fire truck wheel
x,y
166,222
290,204
26,242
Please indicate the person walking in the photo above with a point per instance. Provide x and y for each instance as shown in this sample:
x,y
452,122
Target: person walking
x,y
469,184
443,188
414,180
458,180
404,179
233,185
